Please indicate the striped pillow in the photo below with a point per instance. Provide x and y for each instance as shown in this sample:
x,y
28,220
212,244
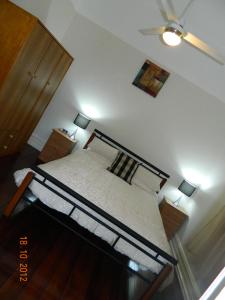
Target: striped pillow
x,y
124,166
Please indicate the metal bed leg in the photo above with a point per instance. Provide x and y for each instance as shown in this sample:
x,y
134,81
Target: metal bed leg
x,y
157,282
17,196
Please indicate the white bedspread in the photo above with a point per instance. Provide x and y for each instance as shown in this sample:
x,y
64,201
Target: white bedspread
x,y
85,172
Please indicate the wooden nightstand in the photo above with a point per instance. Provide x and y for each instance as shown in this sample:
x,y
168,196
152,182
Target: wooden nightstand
x,y
58,145
172,217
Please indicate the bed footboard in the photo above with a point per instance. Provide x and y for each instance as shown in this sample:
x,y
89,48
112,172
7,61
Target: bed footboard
x,y
18,195
156,253
157,282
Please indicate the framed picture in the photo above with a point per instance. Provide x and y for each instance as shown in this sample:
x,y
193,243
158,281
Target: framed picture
x,y
151,78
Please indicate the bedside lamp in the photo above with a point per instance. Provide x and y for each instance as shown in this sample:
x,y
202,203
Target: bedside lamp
x,y
80,121
187,189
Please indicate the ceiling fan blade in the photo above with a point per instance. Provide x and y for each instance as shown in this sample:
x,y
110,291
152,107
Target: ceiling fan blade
x,y
202,46
152,31
167,10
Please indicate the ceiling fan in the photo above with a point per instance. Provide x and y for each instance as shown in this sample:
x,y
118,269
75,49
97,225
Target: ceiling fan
x,y
173,32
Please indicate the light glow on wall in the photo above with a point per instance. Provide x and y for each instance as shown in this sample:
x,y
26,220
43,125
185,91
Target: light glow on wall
x,y
172,193
90,111
197,178
190,205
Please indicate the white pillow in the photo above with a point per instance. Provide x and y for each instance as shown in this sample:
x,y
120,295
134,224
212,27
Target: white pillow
x,y
146,180
103,149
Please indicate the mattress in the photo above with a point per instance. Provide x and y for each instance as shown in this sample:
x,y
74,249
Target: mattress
x,y
86,173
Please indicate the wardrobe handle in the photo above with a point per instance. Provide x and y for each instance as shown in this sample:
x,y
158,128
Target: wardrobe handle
x,y
30,74
5,147
33,76
11,136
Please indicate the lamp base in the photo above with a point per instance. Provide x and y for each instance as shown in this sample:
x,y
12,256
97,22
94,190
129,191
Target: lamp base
x,y
72,136
177,202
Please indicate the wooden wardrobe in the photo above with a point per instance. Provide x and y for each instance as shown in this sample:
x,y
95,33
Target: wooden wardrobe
x,y
32,65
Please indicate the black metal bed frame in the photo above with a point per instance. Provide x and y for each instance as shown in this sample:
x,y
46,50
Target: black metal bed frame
x,y
43,178
146,164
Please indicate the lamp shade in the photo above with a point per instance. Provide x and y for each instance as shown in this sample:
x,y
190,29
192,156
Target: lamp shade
x,y
81,121
186,188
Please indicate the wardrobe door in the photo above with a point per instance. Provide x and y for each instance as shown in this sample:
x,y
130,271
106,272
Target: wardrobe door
x,y
3,143
22,74
26,106
36,85
16,26
7,138
47,93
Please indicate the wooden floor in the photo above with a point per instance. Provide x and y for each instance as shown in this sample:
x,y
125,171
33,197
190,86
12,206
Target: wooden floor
x,y
60,264
8,165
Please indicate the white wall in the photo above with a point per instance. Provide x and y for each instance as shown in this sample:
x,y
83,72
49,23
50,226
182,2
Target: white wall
x,y
38,8
55,14
125,18
180,131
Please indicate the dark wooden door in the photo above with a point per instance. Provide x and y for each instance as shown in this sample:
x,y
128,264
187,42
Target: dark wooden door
x,y
22,74
47,93
25,105
40,91
7,138
16,26
29,87
16,84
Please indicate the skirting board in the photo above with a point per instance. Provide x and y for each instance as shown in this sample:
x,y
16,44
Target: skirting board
x,y
36,142
188,284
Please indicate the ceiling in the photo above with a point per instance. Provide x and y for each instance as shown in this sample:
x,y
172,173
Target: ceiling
x,y
205,19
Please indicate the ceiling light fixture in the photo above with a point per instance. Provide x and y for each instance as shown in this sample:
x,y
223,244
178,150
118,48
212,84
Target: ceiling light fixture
x,y
171,36
173,31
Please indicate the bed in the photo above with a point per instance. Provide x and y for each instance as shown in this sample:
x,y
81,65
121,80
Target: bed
x,y
125,214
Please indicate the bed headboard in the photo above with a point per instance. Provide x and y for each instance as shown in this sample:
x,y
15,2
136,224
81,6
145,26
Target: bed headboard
x,y
98,134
